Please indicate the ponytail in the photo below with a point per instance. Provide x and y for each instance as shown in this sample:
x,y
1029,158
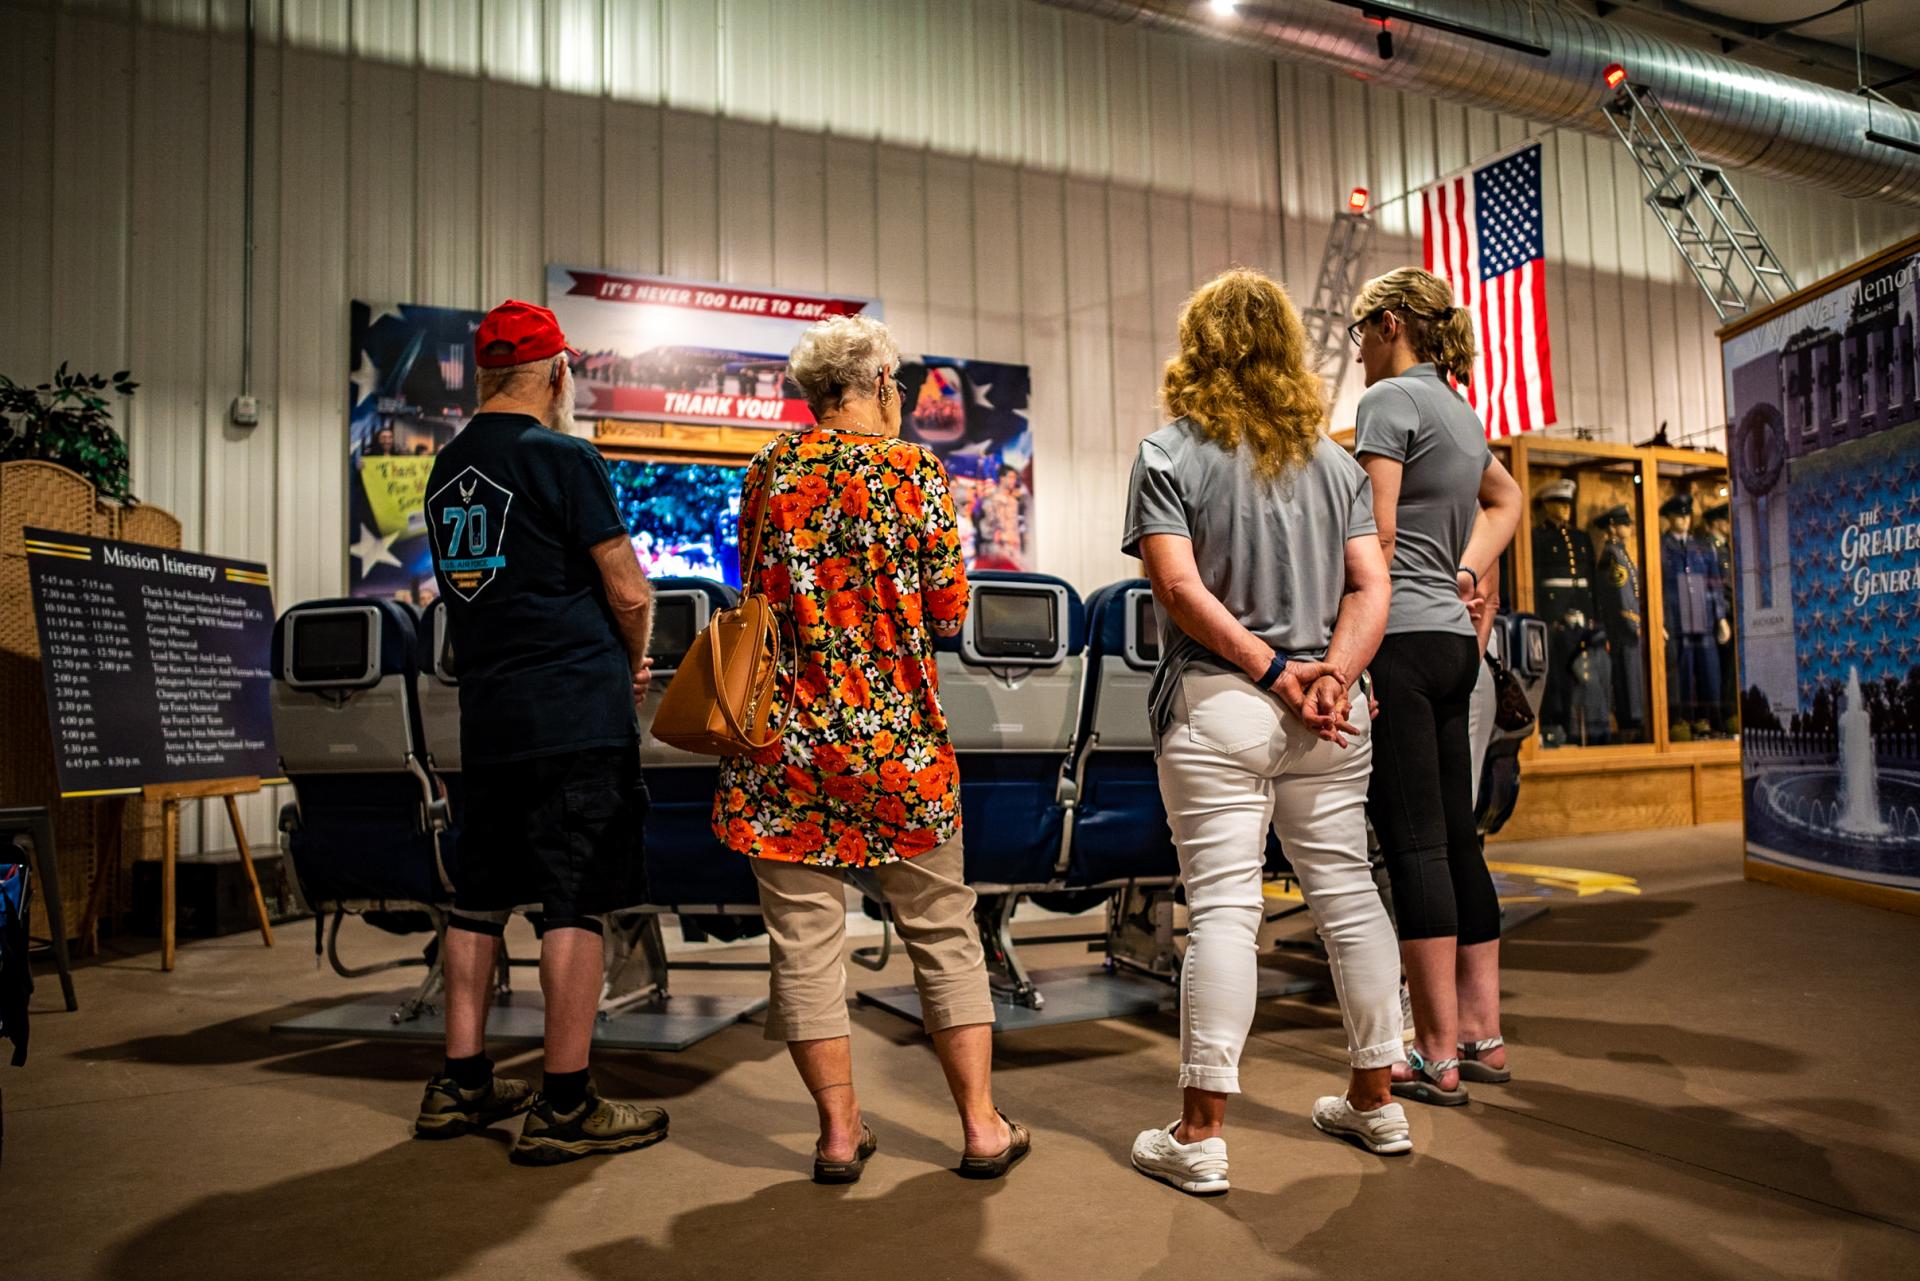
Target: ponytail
x,y
1448,342
1437,331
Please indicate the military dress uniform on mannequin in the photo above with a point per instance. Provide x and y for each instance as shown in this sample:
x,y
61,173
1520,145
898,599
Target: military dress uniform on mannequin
x,y
1618,587
1696,623
1719,523
1575,707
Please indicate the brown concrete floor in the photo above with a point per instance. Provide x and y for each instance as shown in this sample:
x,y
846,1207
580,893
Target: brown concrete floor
x,y
1710,1084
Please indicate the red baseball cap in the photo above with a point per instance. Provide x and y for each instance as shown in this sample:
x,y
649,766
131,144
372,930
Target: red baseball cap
x,y
516,333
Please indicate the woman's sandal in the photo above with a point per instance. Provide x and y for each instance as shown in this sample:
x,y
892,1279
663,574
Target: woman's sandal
x,y
825,1171
1425,1085
1472,1069
1019,1143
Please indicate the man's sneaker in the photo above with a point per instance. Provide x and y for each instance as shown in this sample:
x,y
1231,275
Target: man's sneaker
x,y
447,1111
1384,1130
597,1127
1197,1168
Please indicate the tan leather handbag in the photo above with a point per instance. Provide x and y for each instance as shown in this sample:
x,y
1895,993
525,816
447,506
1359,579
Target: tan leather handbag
x,y
720,701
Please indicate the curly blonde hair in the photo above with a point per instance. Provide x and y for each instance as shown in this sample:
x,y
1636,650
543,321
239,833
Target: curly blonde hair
x,y
1437,330
1241,373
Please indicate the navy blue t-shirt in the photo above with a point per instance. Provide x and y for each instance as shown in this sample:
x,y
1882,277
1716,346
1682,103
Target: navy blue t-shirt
x,y
513,508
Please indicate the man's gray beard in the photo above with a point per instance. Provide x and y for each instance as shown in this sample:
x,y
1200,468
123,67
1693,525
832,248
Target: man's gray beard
x,y
563,410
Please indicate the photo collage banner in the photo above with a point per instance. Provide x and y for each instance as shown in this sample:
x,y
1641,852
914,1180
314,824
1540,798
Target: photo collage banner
x,y
660,350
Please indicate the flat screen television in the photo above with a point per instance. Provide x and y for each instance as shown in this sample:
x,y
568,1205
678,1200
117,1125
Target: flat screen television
x,y
683,518
331,648
1008,622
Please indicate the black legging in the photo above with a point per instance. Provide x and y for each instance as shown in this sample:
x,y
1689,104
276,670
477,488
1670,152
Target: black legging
x,y
1421,795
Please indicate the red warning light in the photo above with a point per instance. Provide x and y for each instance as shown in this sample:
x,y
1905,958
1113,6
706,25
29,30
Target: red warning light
x,y
1615,75
1357,200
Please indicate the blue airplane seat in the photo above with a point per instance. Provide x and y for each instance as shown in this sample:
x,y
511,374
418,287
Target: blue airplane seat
x,y
1120,828
687,868
1009,685
347,725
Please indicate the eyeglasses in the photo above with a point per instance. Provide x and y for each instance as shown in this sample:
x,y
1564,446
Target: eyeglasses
x,y
1353,330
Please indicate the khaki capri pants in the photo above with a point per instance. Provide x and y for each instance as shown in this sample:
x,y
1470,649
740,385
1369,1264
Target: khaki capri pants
x,y
806,912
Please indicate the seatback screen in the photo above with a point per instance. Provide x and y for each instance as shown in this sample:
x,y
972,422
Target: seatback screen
x,y
673,630
1146,628
331,649
1015,624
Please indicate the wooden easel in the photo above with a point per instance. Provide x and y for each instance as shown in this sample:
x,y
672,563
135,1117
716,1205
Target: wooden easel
x,y
170,795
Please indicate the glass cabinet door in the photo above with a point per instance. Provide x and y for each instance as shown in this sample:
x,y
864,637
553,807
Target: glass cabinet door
x,y
1584,513
1697,613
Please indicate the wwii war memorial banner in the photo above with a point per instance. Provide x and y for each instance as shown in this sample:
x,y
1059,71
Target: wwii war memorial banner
x,y
1824,435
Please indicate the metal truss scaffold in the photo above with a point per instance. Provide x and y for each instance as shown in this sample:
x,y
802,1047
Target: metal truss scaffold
x,y
1702,213
1326,316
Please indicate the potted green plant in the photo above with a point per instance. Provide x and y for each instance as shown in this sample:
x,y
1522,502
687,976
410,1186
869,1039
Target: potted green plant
x,y
68,421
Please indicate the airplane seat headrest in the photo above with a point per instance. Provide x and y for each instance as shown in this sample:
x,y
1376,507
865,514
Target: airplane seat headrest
x,y
339,638
1076,619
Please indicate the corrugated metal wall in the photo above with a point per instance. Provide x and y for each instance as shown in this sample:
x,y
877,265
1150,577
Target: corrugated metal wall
x,y
1011,181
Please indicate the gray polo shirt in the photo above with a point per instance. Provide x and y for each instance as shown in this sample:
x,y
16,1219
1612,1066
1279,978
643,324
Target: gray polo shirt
x,y
1273,551
1423,424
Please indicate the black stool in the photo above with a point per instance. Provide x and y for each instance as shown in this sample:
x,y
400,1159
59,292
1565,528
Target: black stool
x,y
34,823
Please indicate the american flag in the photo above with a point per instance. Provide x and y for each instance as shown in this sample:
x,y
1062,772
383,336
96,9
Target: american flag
x,y
1483,236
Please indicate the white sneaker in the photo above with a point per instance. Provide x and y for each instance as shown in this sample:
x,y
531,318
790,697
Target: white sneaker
x,y
1383,1131
1198,1168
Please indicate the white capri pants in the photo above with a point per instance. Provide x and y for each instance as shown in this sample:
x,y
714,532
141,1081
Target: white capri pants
x,y
1234,761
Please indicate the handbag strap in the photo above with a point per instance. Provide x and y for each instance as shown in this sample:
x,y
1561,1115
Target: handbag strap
x,y
726,712
750,567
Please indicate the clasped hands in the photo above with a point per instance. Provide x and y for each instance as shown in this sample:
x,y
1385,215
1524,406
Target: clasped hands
x,y
1321,697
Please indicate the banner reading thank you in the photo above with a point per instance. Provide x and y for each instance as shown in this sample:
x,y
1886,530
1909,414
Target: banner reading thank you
x,y
686,351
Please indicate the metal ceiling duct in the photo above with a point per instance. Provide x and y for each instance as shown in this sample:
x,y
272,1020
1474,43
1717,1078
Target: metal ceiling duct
x,y
1733,113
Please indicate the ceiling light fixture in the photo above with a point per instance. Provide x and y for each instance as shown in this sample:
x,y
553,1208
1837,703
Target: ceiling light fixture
x,y
1383,41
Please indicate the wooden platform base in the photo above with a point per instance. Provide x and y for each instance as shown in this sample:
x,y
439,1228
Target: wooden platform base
x,y
1894,900
1575,791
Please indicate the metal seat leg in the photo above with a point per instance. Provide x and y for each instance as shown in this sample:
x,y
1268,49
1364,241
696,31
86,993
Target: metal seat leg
x,y
1007,976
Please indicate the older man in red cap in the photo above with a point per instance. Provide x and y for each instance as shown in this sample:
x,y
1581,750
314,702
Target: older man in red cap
x,y
548,612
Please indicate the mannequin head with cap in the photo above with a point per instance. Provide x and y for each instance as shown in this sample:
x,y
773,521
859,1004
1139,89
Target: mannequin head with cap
x,y
1555,502
1676,515
1406,318
1616,526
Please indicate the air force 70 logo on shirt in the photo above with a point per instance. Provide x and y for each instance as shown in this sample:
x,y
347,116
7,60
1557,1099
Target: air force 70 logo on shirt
x,y
468,516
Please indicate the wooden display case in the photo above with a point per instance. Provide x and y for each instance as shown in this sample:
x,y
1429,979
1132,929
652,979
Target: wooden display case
x,y
1668,777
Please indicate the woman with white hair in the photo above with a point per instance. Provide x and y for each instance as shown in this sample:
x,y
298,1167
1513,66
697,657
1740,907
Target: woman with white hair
x,y
859,550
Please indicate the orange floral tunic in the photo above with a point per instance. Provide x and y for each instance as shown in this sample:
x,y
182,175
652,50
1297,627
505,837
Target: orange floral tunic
x,y
862,552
